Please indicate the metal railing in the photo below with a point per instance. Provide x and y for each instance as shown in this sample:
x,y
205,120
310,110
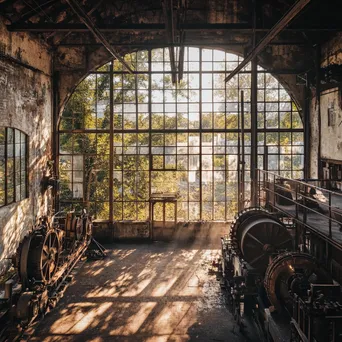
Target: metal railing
x,y
308,203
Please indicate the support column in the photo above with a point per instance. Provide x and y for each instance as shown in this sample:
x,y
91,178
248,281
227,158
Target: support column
x,y
55,138
318,104
111,147
254,137
307,129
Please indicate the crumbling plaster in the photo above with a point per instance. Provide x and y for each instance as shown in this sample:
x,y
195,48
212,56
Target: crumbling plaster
x,y
25,104
330,137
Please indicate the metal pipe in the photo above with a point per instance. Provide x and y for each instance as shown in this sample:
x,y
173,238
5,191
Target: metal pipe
x,y
276,29
111,145
330,234
242,150
9,289
318,104
254,134
307,134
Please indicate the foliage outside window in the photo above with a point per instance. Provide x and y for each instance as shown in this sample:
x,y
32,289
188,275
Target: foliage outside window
x,y
183,138
13,165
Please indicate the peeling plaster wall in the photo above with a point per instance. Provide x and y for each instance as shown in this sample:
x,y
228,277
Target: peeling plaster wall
x,y
331,143
331,136
25,104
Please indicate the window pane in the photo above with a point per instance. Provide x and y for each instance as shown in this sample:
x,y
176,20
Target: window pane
x,y
183,138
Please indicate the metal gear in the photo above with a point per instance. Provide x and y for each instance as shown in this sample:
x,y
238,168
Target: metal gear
x,y
288,271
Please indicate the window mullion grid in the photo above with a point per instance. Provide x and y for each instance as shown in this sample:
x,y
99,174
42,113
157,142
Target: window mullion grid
x,y
211,131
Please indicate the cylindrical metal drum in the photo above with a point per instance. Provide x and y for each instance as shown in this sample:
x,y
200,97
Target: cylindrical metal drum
x,y
256,235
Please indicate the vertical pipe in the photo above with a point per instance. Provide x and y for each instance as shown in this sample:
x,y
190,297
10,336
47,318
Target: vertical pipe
x,y
307,130
225,150
254,113
201,156
266,186
111,146
13,166
55,135
318,103
137,137
242,150
239,164
6,165
150,134
330,234
254,138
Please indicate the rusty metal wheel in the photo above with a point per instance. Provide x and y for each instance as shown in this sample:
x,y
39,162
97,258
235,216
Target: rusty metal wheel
x,y
293,272
43,258
256,235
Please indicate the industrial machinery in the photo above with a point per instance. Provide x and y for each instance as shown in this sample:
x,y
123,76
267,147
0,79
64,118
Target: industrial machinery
x,y
287,294
43,263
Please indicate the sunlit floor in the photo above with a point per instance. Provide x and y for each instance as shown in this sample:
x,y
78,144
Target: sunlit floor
x,y
144,292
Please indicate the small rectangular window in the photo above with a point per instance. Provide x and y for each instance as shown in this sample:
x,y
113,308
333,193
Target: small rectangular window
x,y
13,166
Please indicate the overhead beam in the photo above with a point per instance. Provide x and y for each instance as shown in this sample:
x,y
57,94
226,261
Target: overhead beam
x,y
36,10
170,35
75,6
62,37
194,43
79,27
181,21
277,28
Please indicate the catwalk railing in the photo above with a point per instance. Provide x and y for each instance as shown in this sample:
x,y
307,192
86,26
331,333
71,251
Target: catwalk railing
x,y
308,203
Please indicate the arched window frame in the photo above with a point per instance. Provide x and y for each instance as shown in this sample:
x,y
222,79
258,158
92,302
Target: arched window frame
x,y
141,117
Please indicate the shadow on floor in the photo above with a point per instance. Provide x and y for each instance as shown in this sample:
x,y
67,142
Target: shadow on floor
x,y
155,292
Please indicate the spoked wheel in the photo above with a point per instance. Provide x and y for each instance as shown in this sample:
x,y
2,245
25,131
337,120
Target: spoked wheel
x,y
49,260
43,262
292,272
256,235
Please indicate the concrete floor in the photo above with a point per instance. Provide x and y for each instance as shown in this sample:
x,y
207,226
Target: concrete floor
x,y
144,292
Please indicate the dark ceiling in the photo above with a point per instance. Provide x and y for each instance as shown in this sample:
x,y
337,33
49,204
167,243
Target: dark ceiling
x,y
192,21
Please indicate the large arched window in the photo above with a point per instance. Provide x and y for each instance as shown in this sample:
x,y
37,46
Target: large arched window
x,y
124,137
